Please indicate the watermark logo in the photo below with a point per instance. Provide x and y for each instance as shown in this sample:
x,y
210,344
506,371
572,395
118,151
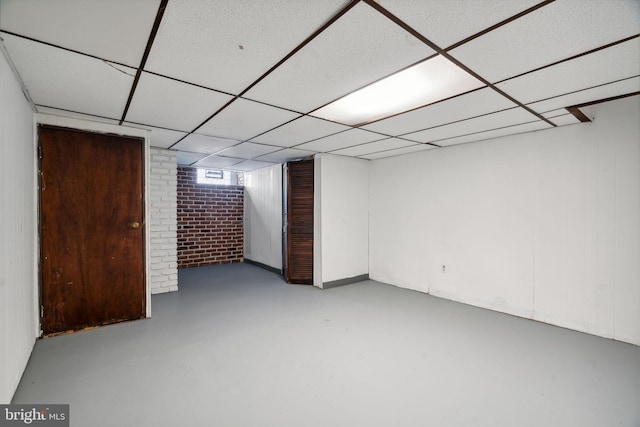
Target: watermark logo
x,y
34,415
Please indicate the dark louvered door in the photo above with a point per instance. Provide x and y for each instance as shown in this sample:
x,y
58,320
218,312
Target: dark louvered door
x,y
299,267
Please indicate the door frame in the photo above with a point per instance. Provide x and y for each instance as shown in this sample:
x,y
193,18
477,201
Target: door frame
x,y
95,127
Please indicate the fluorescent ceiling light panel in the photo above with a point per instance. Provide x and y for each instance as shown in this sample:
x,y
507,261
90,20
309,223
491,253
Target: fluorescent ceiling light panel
x,y
424,83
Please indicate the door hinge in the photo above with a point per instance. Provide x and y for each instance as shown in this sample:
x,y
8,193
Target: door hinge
x,y
40,152
41,311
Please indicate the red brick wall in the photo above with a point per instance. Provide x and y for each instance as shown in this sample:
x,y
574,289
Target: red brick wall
x,y
210,224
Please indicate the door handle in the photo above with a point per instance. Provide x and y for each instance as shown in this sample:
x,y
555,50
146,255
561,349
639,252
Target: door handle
x,y
134,224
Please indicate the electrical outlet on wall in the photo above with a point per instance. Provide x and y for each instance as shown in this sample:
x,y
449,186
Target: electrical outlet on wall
x,y
444,268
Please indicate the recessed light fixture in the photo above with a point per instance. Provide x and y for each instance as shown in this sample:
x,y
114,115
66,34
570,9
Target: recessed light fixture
x,y
424,83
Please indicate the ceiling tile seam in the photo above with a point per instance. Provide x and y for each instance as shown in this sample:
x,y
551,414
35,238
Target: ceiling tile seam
x,y
218,153
575,111
580,90
271,105
188,152
351,146
454,122
211,155
188,83
314,118
273,128
77,112
152,126
202,124
579,55
499,24
311,140
372,83
321,137
360,144
438,49
221,152
362,156
424,106
268,154
309,153
241,160
231,101
316,33
561,113
64,48
145,55
391,149
424,143
16,74
305,42
608,99
491,130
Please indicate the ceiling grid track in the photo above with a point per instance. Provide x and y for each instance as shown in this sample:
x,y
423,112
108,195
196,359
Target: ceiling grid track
x,y
251,85
454,60
145,56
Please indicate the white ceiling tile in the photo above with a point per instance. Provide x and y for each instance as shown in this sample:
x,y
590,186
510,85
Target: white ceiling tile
x,y
286,155
359,48
217,162
186,158
446,22
492,121
248,150
61,79
196,143
298,131
564,119
341,140
167,103
398,151
552,33
63,113
615,63
588,95
495,133
245,119
375,147
227,45
115,30
479,102
162,138
421,84
250,165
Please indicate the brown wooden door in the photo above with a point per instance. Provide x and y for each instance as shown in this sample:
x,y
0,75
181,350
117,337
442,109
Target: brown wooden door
x,y
299,268
91,219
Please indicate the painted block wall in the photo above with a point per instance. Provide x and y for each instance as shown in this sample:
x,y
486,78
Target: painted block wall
x,y
341,219
18,297
263,216
163,227
544,225
210,223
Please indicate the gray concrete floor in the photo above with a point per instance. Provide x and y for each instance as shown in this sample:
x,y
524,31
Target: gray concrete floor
x,y
236,346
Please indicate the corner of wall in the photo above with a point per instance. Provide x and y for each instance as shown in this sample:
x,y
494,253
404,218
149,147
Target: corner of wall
x,y
317,221
18,277
163,221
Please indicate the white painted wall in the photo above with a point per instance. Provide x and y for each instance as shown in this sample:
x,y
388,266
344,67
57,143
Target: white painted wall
x,y
341,218
163,228
18,287
544,225
263,216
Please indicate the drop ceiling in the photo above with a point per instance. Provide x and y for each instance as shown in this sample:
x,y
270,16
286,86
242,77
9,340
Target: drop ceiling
x,y
242,84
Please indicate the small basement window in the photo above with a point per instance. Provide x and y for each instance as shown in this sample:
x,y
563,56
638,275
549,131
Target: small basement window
x,y
217,177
